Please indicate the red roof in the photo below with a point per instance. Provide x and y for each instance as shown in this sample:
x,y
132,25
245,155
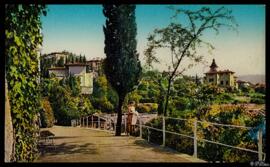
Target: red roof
x,y
219,72
76,64
240,81
57,68
89,61
226,71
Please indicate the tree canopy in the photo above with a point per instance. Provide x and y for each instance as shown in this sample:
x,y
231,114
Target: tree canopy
x,y
183,40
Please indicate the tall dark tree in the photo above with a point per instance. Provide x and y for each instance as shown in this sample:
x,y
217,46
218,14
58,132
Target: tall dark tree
x,y
72,59
122,65
84,59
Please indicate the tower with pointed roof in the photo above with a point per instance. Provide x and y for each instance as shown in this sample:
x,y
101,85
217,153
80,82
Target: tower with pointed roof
x,y
213,66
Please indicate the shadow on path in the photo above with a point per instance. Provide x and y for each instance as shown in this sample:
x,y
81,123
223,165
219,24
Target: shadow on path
x,y
155,147
67,148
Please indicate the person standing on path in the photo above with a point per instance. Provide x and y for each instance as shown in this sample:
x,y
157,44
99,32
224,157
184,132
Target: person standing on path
x,y
132,118
129,118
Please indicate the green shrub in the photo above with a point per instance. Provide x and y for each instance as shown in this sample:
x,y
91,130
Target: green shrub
x,y
181,103
147,107
260,89
65,106
257,101
224,98
257,95
225,114
47,116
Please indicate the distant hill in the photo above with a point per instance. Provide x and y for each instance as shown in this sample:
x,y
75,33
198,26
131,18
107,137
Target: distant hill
x,y
252,78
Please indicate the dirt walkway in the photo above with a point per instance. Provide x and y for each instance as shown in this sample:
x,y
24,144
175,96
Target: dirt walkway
x,y
75,144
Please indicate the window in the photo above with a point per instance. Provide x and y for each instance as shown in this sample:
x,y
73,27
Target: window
x,y
211,80
221,82
227,82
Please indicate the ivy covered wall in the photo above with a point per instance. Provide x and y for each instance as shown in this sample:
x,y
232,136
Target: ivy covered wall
x,y
23,38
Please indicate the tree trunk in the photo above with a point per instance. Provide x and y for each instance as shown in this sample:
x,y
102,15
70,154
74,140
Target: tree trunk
x,y
119,116
9,139
167,97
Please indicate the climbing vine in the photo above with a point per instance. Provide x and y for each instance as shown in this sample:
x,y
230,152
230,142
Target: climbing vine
x,y
23,37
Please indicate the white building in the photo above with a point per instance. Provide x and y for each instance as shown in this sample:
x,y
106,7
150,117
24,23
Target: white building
x,y
78,70
59,72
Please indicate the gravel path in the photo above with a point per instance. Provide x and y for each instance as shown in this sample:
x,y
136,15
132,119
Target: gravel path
x,y
75,144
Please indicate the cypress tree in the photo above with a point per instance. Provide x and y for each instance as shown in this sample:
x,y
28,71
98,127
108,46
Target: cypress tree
x,y
121,66
84,59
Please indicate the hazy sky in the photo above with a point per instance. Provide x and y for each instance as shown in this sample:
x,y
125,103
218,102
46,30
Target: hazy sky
x,y
78,29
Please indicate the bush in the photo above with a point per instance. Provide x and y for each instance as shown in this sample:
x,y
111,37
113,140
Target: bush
x,y
225,98
143,109
257,101
260,89
46,115
226,114
147,107
64,105
257,95
181,103
85,106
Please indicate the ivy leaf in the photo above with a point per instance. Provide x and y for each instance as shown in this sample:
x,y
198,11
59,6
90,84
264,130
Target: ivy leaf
x,y
17,40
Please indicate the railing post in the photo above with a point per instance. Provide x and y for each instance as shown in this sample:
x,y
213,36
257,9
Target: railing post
x,y
99,122
109,122
140,120
125,122
163,130
92,122
148,135
195,138
87,121
115,121
260,143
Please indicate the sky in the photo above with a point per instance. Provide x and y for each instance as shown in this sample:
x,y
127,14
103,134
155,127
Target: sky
x,y
79,29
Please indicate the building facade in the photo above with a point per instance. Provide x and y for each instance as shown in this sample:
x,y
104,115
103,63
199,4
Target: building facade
x,y
224,78
56,55
58,72
95,66
77,70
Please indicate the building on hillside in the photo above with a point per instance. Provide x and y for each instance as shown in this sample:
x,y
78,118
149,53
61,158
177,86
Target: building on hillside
x,y
56,55
86,78
78,70
58,72
224,78
94,66
243,84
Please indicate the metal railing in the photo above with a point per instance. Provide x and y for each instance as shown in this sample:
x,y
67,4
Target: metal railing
x,y
111,121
